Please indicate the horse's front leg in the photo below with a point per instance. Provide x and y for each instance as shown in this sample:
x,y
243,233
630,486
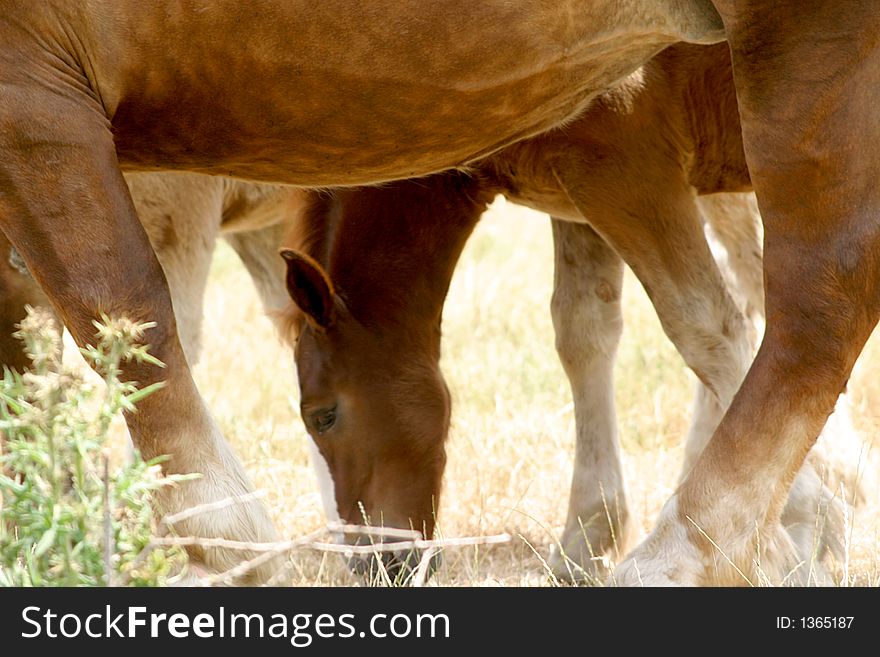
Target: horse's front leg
x,y
807,79
65,206
813,514
587,319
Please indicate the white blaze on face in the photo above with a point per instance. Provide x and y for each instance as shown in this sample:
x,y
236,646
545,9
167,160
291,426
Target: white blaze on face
x,y
325,483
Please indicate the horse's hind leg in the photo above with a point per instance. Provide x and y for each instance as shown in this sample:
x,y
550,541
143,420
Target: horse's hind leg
x,y
733,221
587,319
817,187
813,515
66,208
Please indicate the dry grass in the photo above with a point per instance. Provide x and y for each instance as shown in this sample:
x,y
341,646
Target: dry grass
x,y
510,452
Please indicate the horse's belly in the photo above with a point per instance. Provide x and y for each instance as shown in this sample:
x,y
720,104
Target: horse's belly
x,y
312,97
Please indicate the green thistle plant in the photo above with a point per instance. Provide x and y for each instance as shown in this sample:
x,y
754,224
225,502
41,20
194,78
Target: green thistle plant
x,y
65,520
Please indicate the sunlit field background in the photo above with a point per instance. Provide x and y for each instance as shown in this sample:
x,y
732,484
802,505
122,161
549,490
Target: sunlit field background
x,y
511,447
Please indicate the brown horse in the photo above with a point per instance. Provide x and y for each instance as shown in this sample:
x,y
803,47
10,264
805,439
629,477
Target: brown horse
x,y
372,267
340,96
297,92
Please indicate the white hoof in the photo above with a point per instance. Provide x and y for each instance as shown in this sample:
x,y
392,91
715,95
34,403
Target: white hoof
x,y
670,556
587,555
245,521
666,558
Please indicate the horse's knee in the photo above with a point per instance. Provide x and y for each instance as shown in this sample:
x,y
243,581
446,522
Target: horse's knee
x,y
585,306
584,335
714,339
823,300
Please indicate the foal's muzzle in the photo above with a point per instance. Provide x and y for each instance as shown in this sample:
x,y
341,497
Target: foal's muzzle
x,y
394,567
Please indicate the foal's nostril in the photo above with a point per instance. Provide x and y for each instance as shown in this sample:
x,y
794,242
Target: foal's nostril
x,y
394,567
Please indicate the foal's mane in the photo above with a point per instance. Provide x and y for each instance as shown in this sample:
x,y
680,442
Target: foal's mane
x,y
390,249
311,232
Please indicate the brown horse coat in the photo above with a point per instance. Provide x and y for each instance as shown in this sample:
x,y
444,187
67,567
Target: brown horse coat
x,y
321,95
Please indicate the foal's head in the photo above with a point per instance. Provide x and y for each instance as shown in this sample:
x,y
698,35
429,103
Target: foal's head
x,y
368,284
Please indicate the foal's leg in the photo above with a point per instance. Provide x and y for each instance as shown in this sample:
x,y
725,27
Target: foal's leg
x,y
66,208
660,236
258,250
586,315
258,220
181,213
732,220
808,102
656,228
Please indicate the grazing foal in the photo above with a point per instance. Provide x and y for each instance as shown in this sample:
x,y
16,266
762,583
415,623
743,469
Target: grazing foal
x,y
372,268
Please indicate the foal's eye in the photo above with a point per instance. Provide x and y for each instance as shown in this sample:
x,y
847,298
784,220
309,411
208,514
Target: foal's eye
x,y
324,420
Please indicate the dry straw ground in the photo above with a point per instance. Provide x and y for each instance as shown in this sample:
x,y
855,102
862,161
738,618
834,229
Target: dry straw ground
x,y
510,452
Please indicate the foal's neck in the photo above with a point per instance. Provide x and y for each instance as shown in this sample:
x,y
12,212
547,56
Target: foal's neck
x,y
391,250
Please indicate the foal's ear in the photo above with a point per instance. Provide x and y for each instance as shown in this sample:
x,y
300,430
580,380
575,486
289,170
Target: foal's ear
x,y
309,287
